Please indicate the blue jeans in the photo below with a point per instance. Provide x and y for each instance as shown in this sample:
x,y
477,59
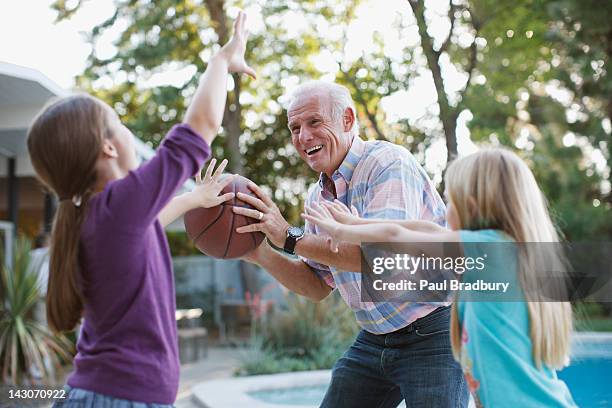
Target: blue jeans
x,y
78,398
414,363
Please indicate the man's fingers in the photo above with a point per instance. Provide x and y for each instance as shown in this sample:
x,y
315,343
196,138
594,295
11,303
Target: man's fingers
x,y
354,210
198,176
209,169
250,228
261,194
253,201
247,212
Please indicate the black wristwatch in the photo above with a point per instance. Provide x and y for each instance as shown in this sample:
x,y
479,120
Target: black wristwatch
x,y
294,234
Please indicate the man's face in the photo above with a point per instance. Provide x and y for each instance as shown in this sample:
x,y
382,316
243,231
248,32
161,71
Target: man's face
x,y
321,141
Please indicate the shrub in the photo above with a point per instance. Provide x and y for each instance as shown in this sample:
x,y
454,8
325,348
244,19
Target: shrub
x,y
28,350
302,336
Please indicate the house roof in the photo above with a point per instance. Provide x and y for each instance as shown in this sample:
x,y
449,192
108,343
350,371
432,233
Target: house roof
x,y
23,93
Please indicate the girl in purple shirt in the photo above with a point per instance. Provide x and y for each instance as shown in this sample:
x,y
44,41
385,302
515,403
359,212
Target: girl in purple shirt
x,y
110,262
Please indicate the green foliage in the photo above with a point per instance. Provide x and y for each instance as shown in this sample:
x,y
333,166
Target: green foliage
x,y
304,336
520,48
180,244
559,44
593,317
26,346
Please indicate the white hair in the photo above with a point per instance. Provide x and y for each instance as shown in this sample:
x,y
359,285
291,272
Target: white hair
x,y
339,96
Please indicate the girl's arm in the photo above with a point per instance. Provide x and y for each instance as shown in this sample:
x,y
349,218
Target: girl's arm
x,y
205,112
342,214
205,194
415,225
378,232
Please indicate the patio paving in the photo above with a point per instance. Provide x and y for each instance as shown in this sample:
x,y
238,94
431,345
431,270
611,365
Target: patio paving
x,y
220,363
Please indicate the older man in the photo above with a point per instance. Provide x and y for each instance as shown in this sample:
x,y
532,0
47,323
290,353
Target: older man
x,y
403,349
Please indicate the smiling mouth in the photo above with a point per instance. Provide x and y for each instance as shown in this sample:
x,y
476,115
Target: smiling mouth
x,y
313,150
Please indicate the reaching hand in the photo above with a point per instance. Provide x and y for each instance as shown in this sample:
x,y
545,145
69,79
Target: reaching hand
x,y
268,217
206,192
341,213
234,50
321,217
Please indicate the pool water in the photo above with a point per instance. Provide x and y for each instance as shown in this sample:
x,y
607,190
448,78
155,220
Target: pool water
x,y
312,395
588,377
590,374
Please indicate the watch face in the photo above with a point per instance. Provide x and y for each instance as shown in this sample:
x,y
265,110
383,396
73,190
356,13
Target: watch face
x,y
295,232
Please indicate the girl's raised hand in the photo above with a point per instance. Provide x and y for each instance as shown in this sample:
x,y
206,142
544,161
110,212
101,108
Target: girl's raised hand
x,y
207,189
322,218
235,48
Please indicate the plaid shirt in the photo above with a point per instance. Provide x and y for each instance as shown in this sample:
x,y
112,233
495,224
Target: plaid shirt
x,y
382,180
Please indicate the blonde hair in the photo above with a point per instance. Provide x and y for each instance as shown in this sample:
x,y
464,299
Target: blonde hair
x,y
494,188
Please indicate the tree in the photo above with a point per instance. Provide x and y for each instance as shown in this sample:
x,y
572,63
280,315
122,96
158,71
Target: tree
x,y
169,35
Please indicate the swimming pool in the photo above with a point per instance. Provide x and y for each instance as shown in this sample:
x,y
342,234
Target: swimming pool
x,y
588,377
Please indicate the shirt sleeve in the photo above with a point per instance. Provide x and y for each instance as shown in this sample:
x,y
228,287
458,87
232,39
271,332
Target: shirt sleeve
x,y
136,200
322,271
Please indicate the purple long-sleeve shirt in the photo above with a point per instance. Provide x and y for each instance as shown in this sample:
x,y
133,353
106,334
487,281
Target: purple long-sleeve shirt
x,y
128,345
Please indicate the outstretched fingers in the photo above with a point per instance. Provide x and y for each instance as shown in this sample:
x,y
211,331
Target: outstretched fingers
x,y
219,170
223,198
209,169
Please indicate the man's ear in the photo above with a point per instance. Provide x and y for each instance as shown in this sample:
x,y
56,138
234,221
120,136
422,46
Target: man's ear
x,y
348,119
108,149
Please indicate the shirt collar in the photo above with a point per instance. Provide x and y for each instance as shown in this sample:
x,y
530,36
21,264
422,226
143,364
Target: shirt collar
x,y
347,167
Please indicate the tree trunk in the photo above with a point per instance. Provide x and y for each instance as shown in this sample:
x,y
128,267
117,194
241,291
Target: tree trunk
x,y
232,119
448,116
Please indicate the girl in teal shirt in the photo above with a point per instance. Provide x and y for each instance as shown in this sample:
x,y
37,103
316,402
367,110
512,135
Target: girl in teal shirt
x,y
509,350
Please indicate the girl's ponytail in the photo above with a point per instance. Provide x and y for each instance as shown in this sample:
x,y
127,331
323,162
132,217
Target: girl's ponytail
x,y
64,299
64,143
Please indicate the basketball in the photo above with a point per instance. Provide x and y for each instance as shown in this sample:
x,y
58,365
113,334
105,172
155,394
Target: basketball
x,y
213,230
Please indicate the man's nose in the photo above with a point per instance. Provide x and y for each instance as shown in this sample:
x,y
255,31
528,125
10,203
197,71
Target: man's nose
x,y
305,135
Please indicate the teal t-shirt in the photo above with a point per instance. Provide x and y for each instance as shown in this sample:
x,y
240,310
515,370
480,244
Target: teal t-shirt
x,y
496,352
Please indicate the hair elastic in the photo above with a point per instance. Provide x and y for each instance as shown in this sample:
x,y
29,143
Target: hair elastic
x,y
76,199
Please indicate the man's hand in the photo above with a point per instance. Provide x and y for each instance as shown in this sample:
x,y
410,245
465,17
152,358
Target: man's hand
x,y
271,222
